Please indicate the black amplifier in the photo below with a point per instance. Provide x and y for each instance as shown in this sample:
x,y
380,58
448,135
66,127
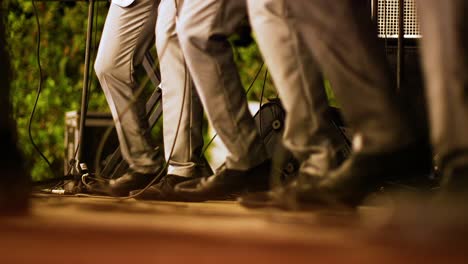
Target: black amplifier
x,y
97,123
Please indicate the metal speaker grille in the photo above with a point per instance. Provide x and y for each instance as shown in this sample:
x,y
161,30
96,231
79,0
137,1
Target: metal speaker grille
x,y
388,19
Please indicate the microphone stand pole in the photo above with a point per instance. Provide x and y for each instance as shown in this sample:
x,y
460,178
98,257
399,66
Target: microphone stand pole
x,y
80,165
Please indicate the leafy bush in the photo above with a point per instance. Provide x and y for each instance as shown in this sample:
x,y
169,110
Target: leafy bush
x,y
62,46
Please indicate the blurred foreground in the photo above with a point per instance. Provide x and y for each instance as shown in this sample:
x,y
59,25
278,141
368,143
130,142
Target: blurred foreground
x,y
88,230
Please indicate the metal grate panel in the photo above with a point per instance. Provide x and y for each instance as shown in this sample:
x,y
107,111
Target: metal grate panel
x,y
388,19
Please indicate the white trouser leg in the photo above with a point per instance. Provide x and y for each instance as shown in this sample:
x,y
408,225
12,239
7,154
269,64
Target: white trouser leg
x,y
203,28
178,95
128,33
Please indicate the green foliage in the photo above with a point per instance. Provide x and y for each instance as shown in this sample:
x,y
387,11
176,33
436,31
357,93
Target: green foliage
x,y
62,47
249,61
331,96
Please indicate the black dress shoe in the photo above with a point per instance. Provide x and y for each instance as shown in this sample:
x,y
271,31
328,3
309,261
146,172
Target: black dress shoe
x,y
163,190
226,183
128,182
363,174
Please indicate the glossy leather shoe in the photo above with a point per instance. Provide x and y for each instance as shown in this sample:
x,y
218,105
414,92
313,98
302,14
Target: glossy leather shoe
x,y
363,174
163,190
226,183
128,182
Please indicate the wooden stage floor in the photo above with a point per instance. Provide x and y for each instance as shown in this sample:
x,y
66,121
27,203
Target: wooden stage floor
x,y
90,230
